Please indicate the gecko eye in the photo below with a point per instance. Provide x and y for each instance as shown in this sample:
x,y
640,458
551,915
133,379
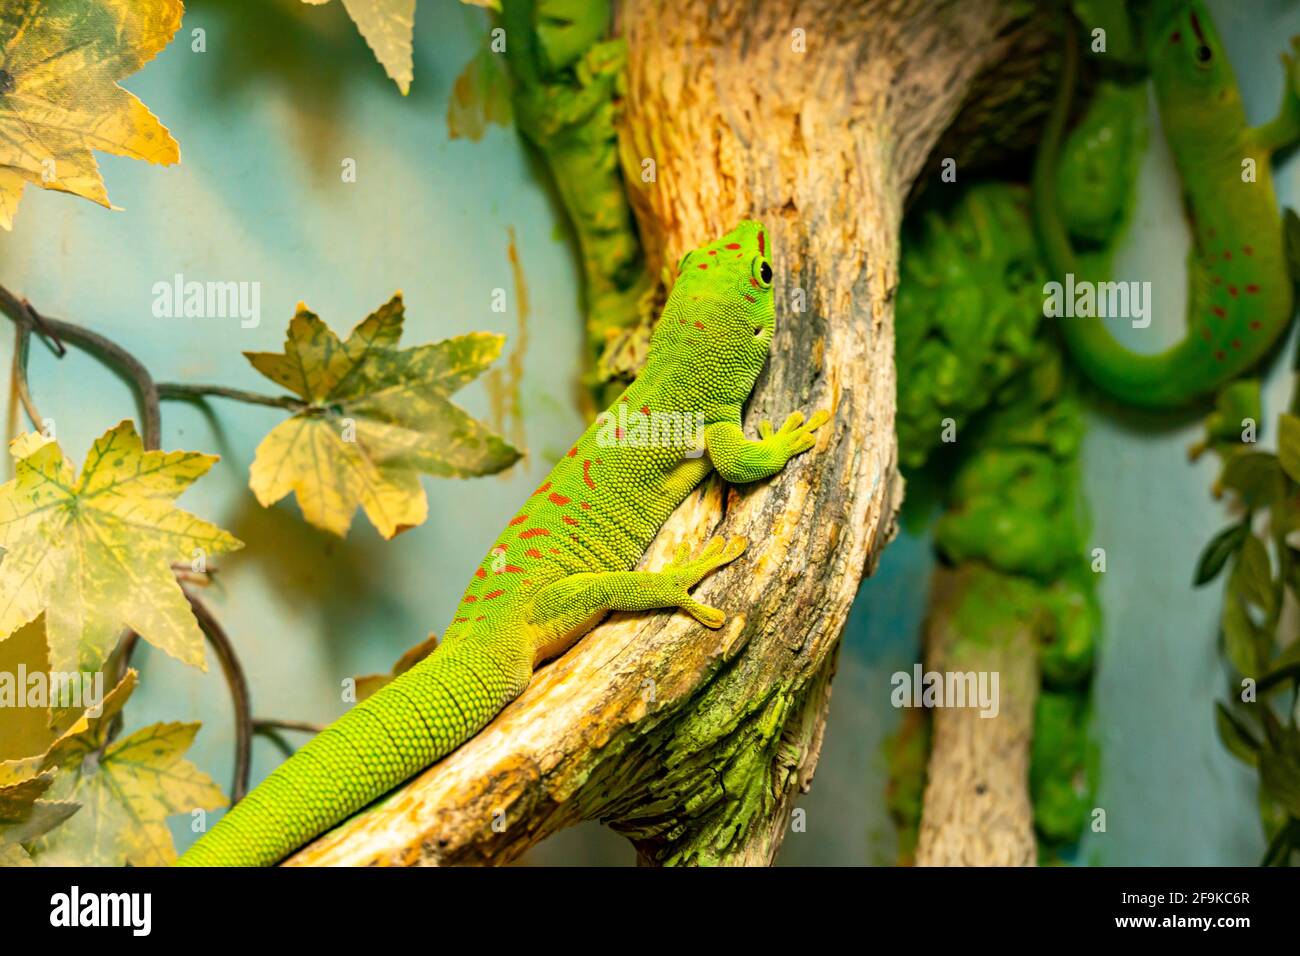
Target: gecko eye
x,y
762,272
1204,54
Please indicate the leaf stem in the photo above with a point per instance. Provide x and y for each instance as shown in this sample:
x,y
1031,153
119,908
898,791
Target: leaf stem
x,y
106,350
238,685
179,392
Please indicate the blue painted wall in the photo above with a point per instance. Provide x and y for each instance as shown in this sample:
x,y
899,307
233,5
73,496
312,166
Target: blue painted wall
x,y
283,94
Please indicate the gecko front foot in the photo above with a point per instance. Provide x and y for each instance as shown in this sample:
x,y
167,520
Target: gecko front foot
x,y
795,435
684,572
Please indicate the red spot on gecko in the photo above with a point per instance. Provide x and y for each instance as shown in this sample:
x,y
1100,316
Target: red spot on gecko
x,y
618,434
1236,343
556,498
570,521
1232,291
1175,37
699,325
470,598
1218,310
533,553
623,398
534,533
480,573
762,246
546,486
1252,289
528,581
733,245
493,594
586,474
704,265
479,618
753,282
645,409
518,519
1248,250
1217,280
1227,253
713,252
586,506
1220,355
512,569
1205,334
462,620
573,451
749,297
553,550
1257,325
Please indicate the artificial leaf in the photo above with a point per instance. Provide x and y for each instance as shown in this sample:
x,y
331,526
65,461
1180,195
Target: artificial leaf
x,y
59,97
95,552
24,816
1241,743
127,798
1285,667
1252,576
376,417
1216,554
479,97
1279,772
370,683
1256,476
1288,445
388,26
1240,637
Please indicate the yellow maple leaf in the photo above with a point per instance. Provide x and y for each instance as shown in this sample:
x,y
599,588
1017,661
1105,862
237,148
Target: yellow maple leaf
x,y
25,815
95,552
375,418
388,26
60,61
126,799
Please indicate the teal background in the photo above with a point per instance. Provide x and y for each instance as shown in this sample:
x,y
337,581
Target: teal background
x,y
282,95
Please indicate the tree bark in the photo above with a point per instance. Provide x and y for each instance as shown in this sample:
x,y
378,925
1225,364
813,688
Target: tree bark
x,y
692,743
977,810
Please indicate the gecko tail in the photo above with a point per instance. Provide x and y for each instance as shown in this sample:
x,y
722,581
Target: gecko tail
x,y
1133,377
381,742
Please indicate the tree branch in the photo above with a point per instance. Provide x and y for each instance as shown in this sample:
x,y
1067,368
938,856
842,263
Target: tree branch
x,y
696,744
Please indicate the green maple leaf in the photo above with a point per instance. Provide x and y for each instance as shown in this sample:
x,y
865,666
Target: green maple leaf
x,y
375,417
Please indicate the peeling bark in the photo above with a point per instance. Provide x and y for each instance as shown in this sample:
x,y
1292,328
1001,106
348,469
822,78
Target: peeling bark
x,y
696,744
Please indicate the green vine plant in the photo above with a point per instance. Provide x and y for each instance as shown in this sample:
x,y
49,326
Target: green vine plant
x,y
93,563
1259,723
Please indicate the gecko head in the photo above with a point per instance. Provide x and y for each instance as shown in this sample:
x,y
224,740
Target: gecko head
x,y
1183,48
721,303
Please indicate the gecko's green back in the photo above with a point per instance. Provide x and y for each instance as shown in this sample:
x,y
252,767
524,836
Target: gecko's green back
x,y
562,561
1239,298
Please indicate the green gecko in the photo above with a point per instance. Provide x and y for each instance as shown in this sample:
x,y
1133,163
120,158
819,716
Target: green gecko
x,y
565,559
1239,290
